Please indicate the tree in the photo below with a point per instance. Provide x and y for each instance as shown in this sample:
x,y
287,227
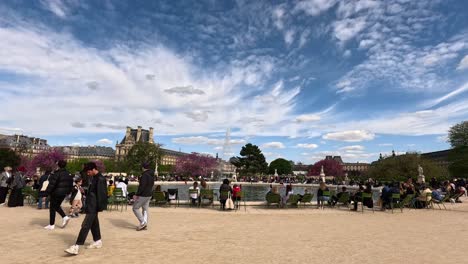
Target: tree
x,y
330,167
76,165
403,167
458,135
251,161
458,156
9,158
140,153
195,164
45,161
282,166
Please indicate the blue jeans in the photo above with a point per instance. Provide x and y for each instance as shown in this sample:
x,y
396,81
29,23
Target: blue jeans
x,y
46,200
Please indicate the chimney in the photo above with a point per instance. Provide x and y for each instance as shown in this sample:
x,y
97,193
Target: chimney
x,y
151,135
127,133
138,134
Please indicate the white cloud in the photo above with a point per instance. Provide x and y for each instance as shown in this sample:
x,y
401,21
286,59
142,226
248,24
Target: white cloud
x,y
105,141
274,145
307,146
385,144
200,140
57,7
348,28
307,118
353,148
350,136
463,63
442,138
314,7
458,91
289,37
119,74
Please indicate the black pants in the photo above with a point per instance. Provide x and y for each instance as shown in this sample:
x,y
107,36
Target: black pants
x,y
3,194
55,206
16,198
91,221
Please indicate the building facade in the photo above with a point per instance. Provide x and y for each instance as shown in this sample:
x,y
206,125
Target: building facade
x,y
133,136
351,168
24,145
89,152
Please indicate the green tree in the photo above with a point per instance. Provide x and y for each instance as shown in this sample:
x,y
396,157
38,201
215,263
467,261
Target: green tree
x,y
458,135
164,169
282,166
76,165
9,158
140,153
402,167
251,161
458,156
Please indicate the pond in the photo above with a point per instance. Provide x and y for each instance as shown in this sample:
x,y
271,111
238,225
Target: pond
x,y
254,192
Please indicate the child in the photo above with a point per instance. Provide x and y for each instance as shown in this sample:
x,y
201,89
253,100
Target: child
x,y
76,199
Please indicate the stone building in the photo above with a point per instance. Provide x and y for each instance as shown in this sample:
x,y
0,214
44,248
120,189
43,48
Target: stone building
x,y
351,168
89,152
24,145
133,136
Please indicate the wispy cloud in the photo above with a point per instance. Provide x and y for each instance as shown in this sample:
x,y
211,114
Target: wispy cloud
x,y
274,145
105,141
307,146
463,63
350,136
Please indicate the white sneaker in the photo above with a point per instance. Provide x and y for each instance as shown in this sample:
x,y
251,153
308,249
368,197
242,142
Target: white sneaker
x,y
49,227
73,250
95,245
65,221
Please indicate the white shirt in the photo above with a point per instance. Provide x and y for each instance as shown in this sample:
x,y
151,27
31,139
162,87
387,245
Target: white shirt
x,y
194,195
123,186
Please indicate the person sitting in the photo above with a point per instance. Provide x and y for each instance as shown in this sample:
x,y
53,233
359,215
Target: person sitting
x,y
122,185
320,197
110,188
157,188
335,198
424,198
287,193
195,194
437,195
369,202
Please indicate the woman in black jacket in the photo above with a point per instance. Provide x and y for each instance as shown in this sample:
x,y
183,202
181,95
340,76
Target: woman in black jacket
x,y
224,191
60,185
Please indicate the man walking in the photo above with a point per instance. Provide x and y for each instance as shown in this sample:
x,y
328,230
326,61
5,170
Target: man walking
x,y
96,201
143,196
4,176
60,185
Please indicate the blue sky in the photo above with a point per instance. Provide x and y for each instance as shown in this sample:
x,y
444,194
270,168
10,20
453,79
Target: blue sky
x,y
301,79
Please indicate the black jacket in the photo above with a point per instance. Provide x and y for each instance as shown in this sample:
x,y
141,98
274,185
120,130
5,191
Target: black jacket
x,y
96,196
60,183
145,188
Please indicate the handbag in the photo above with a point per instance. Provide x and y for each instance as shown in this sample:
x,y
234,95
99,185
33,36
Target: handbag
x,y
45,184
229,202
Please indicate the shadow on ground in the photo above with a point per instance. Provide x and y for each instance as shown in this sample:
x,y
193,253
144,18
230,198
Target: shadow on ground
x,y
122,223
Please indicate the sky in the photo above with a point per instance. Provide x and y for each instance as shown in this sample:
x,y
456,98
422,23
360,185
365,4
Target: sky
x,y
300,79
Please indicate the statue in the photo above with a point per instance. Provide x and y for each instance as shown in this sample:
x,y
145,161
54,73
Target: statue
x,y
276,172
322,174
421,178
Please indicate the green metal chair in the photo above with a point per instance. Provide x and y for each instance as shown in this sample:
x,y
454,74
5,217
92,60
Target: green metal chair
x,y
293,200
206,194
343,200
158,198
365,196
193,191
119,199
273,198
407,202
396,200
240,197
29,195
306,199
173,195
